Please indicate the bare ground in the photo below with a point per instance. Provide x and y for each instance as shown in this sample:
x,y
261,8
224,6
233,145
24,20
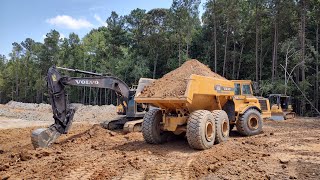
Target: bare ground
x,y
285,150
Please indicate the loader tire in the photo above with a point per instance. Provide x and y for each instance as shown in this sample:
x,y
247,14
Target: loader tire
x,y
201,130
222,126
250,123
151,130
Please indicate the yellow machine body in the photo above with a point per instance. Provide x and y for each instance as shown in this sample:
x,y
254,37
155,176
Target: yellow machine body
x,y
205,93
281,107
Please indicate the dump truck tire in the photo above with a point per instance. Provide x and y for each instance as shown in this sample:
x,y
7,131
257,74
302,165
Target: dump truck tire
x,y
151,127
201,129
222,126
250,123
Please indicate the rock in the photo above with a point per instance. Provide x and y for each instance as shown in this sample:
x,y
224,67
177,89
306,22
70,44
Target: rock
x,y
292,177
149,152
111,133
4,167
1,151
94,147
284,160
5,177
271,133
212,168
268,176
127,138
24,156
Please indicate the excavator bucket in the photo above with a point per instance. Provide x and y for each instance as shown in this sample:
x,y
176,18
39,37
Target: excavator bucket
x,y
44,137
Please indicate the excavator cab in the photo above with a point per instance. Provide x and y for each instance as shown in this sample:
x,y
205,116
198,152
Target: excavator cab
x,y
281,107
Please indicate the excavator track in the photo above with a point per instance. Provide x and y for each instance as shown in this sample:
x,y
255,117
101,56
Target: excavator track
x,y
133,126
114,124
123,123
290,115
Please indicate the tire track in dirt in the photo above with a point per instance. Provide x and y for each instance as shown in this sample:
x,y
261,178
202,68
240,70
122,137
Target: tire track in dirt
x,y
80,173
164,170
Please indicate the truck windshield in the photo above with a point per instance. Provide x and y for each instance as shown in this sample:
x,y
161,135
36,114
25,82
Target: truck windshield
x,y
237,89
246,89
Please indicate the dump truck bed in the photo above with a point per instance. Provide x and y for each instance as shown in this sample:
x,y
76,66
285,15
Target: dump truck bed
x,y
201,93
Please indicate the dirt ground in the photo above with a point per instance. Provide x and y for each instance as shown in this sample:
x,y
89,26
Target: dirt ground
x,y
285,150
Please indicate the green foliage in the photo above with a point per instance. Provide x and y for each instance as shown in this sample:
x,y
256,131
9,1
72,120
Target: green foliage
x,y
152,43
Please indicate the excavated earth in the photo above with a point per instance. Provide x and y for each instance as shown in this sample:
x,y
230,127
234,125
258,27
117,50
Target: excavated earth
x,y
174,83
285,150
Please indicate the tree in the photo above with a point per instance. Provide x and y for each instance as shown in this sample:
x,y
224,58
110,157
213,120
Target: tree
x,y
184,17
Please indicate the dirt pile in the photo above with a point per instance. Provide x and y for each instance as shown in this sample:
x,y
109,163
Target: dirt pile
x,y
286,150
43,112
174,83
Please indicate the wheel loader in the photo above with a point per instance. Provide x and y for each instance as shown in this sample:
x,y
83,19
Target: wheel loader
x,y
207,111
281,107
130,111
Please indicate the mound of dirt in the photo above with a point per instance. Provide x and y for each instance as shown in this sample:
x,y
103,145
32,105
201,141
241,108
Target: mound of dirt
x,y
43,112
174,83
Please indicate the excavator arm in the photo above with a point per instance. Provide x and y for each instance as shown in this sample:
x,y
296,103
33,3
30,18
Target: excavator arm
x,y
62,112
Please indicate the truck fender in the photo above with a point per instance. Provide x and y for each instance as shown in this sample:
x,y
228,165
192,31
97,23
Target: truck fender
x,y
249,107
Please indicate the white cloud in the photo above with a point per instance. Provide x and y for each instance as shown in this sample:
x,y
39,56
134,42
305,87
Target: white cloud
x,y
69,22
98,18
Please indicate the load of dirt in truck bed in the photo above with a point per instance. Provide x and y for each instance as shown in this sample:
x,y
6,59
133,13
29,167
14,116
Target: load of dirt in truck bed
x,y
174,83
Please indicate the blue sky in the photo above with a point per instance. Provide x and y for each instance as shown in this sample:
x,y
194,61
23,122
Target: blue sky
x,y
21,19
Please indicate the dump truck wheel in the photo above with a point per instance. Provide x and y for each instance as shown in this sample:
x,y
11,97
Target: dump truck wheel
x,y
151,130
201,130
250,123
222,126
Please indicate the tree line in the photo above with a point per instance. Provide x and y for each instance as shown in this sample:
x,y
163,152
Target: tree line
x,y
239,39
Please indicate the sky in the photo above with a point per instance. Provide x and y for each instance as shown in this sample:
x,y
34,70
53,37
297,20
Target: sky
x,y
21,19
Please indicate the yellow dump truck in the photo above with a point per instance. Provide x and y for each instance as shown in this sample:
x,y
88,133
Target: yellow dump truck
x,y
206,112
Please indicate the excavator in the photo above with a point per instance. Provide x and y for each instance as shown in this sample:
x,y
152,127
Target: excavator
x,y
281,107
131,113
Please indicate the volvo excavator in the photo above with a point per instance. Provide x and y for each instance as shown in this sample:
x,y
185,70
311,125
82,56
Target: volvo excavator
x,y
63,112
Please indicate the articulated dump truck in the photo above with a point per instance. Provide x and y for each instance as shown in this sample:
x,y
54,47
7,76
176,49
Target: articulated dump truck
x,y
206,113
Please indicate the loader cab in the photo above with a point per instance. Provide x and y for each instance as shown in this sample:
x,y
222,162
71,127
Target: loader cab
x,y
279,101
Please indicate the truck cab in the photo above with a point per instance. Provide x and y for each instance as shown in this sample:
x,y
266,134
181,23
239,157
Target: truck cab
x,y
244,99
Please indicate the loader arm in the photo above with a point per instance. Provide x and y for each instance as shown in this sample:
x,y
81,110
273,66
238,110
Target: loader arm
x,y
62,112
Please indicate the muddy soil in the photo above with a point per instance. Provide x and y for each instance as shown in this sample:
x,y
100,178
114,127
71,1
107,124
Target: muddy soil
x,y
174,83
285,150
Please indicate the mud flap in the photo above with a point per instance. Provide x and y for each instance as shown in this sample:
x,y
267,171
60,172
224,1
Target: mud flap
x,y
44,137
